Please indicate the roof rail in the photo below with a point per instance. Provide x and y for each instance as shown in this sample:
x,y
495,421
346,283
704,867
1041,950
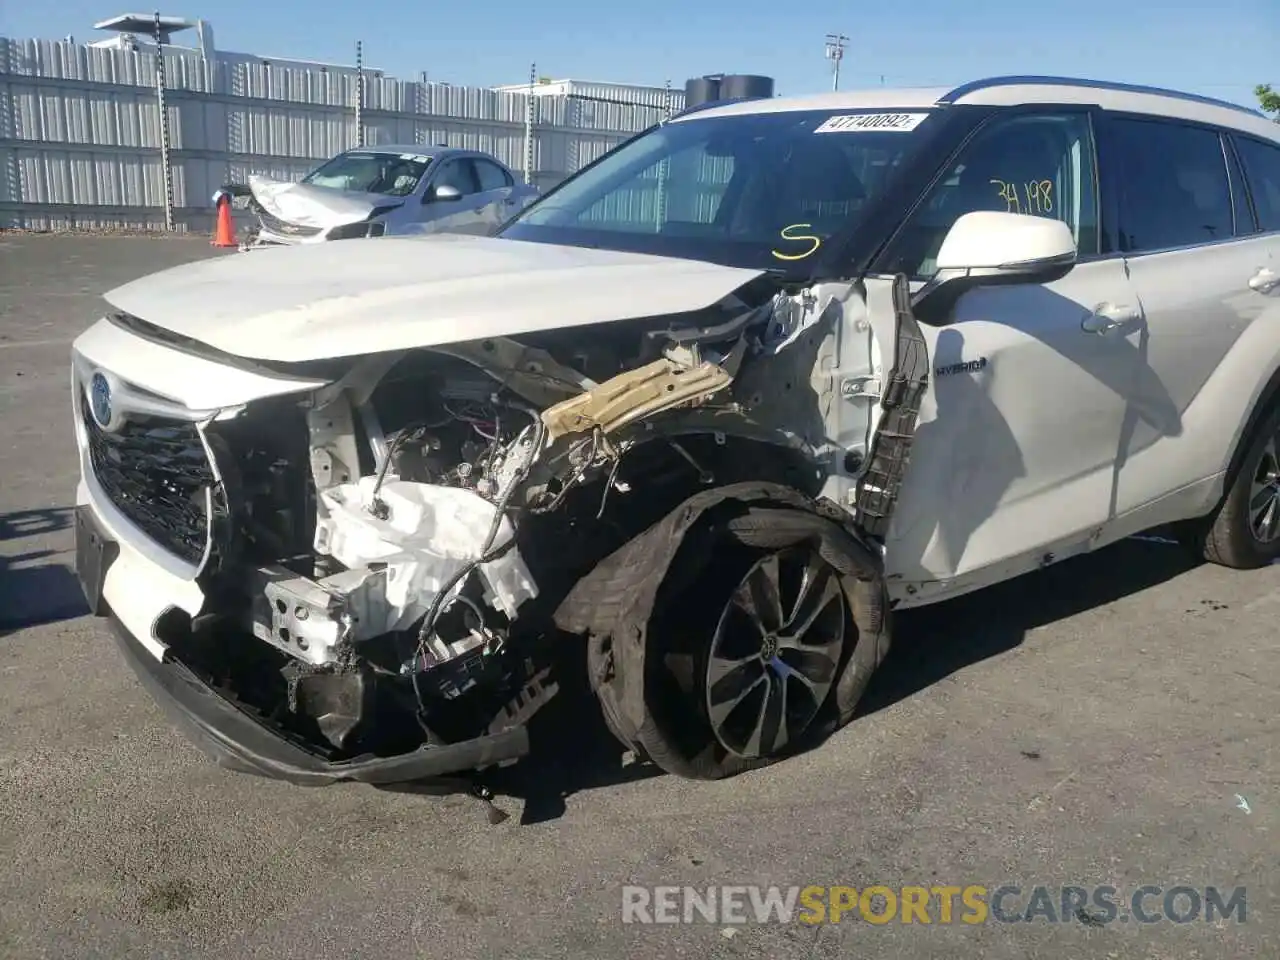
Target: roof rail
x,y
713,103
976,85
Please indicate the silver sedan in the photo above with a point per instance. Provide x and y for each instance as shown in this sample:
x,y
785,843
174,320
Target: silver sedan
x,y
385,190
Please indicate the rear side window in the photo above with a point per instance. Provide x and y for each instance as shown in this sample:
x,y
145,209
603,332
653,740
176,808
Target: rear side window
x,y
1262,170
1171,185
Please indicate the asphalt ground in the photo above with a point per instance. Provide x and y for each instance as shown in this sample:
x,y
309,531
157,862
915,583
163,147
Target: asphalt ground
x,y
1109,721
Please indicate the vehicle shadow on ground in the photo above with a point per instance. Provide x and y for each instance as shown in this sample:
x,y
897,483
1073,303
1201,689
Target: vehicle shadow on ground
x,y
572,751
35,590
935,642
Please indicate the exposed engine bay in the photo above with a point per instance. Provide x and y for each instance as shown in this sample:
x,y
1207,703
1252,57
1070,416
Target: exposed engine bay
x,y
391,556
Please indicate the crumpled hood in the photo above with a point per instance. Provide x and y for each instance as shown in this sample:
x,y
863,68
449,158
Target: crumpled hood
x,y
312,206
320,301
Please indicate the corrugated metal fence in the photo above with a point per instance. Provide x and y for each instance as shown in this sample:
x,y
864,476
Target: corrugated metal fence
x,y
80,131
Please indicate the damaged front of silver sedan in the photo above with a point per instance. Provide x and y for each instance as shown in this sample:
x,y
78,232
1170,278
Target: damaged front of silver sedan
x,y
382,191
346,505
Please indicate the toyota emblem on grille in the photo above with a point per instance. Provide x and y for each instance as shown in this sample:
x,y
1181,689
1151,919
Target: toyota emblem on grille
x,y
100,404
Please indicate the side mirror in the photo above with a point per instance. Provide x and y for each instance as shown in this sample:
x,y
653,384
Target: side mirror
x,y
990,248
443,193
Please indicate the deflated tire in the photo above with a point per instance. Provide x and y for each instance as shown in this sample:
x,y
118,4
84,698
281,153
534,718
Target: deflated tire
x,y
740,629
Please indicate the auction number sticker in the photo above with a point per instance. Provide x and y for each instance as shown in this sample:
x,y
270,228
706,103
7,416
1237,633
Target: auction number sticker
x,y
872,122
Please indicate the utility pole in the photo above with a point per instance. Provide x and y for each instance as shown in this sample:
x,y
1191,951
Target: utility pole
x,y
359,93
664,168
528,123
166,168
835,53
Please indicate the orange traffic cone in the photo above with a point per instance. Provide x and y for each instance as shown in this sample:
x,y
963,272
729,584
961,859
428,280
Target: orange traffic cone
x,y
224,234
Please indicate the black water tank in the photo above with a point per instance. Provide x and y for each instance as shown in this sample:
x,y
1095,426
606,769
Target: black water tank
x,y
744,86
701,90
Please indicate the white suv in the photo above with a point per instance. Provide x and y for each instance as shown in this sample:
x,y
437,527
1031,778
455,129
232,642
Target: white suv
x,y
703,415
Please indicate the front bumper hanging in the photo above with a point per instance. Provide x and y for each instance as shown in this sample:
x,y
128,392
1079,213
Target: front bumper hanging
x,y
238,741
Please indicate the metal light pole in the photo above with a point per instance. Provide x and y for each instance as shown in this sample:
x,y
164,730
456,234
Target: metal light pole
x,y
835,53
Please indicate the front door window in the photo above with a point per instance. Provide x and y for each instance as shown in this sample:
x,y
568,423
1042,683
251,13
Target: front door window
x,y
1040,164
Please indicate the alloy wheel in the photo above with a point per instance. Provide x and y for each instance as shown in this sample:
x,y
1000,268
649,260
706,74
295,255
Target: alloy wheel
x,y
1264,496
775,652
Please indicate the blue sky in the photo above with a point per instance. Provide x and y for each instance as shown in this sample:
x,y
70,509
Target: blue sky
x,y
1221,49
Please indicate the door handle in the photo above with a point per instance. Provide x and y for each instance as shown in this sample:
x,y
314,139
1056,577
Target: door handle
x,y
1107,317
1264,281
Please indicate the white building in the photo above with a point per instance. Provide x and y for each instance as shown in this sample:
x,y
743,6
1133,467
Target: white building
x,y
136,31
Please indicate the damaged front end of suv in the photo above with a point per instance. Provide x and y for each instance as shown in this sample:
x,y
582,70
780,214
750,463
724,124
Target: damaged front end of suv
x,y
351,503
382,560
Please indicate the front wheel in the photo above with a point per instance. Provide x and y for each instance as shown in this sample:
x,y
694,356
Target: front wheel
x,y
741,628
774,654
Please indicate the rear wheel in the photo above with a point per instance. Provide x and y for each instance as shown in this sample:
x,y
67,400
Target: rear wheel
x,y
1244,532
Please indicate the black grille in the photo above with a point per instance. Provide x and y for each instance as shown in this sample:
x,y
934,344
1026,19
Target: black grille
x,y
283,227
156,474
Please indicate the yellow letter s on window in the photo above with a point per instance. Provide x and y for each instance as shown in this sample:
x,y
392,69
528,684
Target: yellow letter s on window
x,y
787,234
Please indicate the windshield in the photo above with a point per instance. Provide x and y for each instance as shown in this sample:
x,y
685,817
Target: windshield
x,y
392,174
753,190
